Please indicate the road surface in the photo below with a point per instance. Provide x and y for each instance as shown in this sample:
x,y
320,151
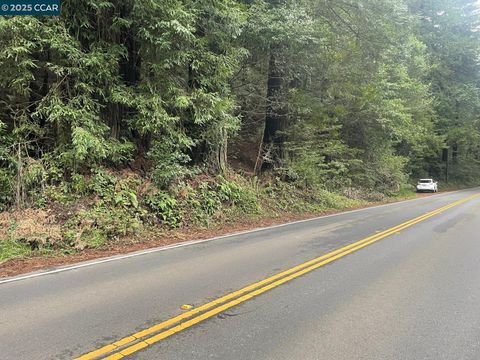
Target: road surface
x,y
409,288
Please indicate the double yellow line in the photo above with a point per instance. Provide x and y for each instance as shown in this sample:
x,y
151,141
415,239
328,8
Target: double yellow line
x,y
142,339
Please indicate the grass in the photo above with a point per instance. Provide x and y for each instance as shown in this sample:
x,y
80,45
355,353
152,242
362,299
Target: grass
x,y
10,249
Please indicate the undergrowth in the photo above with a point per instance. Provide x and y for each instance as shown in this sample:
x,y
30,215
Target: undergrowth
x,y
99,209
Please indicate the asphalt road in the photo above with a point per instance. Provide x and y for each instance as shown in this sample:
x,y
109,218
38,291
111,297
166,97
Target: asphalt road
x,y
414,294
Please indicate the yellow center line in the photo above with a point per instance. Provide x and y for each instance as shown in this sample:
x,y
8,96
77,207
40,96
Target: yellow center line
x,y
246,293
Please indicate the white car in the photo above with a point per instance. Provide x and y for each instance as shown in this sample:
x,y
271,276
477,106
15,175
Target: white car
x,y
427,185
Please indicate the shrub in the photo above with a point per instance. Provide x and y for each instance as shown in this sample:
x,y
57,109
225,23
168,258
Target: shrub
x,y
232,193
94,227
209,198
103,185
164,208
116,192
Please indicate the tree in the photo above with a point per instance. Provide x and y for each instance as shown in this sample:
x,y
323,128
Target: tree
x,y
449,28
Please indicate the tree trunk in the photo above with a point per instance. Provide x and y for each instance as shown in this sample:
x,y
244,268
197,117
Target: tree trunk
x,y
20,189
129,69
219,153
276,117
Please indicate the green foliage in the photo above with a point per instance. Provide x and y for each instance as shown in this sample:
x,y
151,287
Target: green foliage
x,y
165,208
95,238
12,249
230,192
324,200
449,30
170,161
113,208
124,112
168,83
6,189
96,226
206,202
318,157
208,199
283,197
387,173
223,195
239,195
103,185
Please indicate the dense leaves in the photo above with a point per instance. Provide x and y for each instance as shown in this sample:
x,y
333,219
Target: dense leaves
x,y
327,94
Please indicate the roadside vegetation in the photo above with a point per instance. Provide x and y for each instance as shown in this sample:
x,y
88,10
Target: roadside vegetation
x,y
125,119
106,207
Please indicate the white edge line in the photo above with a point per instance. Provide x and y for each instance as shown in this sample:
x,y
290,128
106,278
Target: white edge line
x,y
195,242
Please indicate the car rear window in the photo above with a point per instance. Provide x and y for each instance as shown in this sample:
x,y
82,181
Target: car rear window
x,y
425,181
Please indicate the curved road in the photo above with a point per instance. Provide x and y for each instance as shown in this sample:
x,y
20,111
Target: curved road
x,y
402,292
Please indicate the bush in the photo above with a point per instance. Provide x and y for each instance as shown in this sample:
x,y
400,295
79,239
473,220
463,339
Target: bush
x,y
116,192
94,227
383,172
208,198
102,184
232,193
164,208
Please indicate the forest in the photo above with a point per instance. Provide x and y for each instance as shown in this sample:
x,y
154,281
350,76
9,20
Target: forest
x,y
117,117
